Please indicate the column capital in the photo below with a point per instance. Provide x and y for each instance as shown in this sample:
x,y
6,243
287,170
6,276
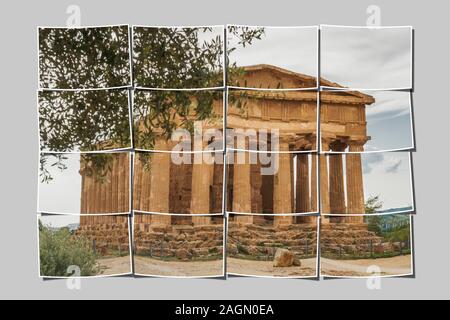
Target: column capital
x,y
325,144
338,145
356,145
305,142
285,138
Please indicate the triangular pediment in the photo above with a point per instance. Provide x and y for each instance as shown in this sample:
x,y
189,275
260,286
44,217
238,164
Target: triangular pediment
x,y
265,76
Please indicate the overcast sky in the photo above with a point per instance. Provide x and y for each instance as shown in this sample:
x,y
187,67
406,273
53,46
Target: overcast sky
x,y
366,58
294,49
58,221
352,57
62,194
388,175
389,121
385,174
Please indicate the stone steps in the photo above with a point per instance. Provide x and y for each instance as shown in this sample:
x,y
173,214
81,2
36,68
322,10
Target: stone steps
x,y
182,242
106,237
345,239
262,241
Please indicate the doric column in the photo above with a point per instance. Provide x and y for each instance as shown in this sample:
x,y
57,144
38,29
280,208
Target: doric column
x,y
282,193
115,167
217,188
126,182
355,187
82,172
144,203
97,193
324,183
303,203
123,182
256,184
109,208
202,174
292,166
159,182
242,189
337,191
137,182
313,188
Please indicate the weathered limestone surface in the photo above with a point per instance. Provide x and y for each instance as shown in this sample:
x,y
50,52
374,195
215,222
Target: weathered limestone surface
x,y
347,239
242,187
183,242
108,233
262,241
355,187
283,258
303,198
198,188
282,193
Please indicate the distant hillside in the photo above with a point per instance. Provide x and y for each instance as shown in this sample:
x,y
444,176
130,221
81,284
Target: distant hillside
x,y
72,227
410,208
396,221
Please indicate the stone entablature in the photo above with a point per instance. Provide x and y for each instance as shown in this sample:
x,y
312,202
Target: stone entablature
x,y
197,188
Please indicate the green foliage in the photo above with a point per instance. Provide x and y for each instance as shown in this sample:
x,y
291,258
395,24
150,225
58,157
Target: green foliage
x,y
401,230
93,164
245,37
162,58
399,235
177,58
59,249
84,120
90,120
373,204
162,112
58,161
242,249
374,224
213,250
84,57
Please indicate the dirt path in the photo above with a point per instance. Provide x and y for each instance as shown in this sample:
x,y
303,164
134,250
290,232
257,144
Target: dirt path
x,y
112,266
149,266
266,268
389,266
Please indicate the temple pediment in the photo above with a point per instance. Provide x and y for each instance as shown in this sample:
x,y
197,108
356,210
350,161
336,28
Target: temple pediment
x,y
265,76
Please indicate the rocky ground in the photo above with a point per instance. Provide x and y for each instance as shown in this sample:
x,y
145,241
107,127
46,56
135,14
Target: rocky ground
x,y
266,268
400,265
113,266
156,267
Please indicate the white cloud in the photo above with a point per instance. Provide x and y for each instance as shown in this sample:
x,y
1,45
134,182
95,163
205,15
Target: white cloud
x,y
388,104
367,58
392,164
293,48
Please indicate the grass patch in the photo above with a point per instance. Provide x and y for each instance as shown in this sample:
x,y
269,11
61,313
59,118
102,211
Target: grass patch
x,y
366,256
175,259
59,249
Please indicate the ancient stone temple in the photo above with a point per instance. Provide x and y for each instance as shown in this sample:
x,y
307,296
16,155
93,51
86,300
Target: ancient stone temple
x,y
197,188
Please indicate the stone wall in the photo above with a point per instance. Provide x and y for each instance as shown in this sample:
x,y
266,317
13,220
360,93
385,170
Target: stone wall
x,y
180,188
262,241
341,240
108,193
108,237
183,242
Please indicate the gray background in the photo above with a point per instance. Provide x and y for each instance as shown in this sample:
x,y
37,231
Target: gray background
x,y
18,182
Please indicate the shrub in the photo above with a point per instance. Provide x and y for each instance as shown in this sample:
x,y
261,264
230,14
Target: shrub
x,y
212,250
242,249
59,249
